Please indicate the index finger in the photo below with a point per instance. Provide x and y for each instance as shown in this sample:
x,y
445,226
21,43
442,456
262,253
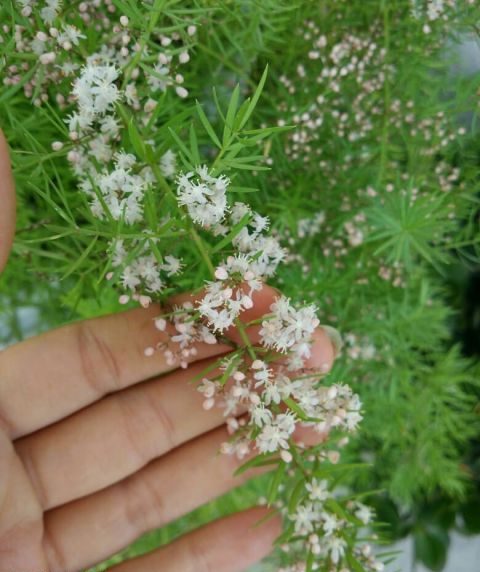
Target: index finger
x,y
46,378
7,203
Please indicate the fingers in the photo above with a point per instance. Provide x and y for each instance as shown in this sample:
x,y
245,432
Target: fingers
x,y
7,202
165,489
115,437
230,544
21,515
64,370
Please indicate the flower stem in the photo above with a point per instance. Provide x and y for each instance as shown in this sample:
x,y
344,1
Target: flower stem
x,y
202,249
245,339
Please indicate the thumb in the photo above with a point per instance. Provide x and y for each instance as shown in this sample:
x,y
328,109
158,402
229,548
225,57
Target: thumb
x,y
7,203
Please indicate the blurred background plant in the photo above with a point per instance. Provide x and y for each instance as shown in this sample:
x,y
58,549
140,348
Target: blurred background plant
x,y
375,191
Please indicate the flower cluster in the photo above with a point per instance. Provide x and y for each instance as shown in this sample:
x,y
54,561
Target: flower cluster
x,y
264,251
289,330
204,196
266,399
145,274
119,72
348,60
317,519
183,335
267,390
432,11
53,36
117,189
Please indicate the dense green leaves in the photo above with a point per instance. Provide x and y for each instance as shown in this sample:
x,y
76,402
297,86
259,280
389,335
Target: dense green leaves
x,y
431,547
398,240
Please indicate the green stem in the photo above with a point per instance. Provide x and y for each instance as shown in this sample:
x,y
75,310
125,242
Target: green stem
x,y
154,15
386,95
245,339
203,250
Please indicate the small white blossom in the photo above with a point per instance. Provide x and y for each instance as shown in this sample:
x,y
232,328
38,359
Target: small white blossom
x,y
95,88
318,490
168,164
330,523
275,435
336,545
364,513
305,517
261,415
288,328
203,195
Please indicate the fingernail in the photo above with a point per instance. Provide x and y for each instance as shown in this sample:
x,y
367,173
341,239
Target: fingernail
x,y
335,337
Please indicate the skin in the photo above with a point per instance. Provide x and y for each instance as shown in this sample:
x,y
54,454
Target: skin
x,y
99,444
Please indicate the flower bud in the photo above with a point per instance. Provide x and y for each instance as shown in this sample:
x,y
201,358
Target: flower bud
x,y
286,456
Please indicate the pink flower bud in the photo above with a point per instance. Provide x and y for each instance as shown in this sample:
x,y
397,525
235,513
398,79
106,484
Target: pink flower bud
x,y
145,301
221,273
286,456
160,324
208,403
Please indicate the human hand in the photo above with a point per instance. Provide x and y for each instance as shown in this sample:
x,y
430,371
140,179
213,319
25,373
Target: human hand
x,y
99,444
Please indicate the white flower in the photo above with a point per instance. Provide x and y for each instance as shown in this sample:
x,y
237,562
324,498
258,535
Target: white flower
x,y
124,160
261,415
155,284
287,422
168,164
203,195
171,265
330,523
318,490
262,373
109,126
336,546
207,387
364,513
95,88
264,252
352,419
70,34
159,78
288,328
49,12
129,279
131,95
271,393
305,516
100,149
275,435
221,305
122,190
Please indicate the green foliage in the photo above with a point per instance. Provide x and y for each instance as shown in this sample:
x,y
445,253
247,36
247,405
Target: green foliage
x,y
400,222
